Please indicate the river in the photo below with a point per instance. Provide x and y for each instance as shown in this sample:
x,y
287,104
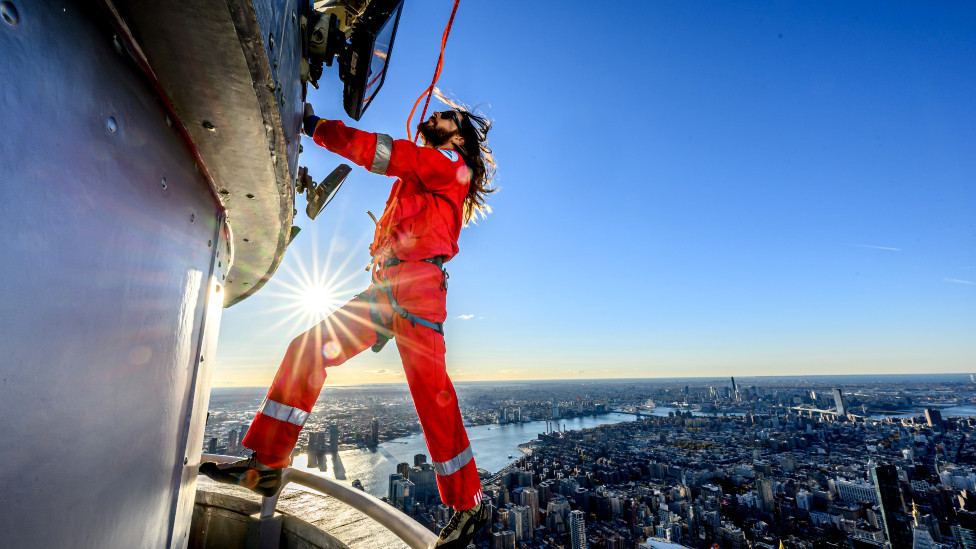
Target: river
x,y
491,444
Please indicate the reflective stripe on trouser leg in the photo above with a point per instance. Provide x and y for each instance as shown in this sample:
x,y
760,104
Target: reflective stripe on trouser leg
x,y
454,464
422,352
283,412
275,429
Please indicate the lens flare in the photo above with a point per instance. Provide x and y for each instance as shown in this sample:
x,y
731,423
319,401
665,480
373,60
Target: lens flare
x,y
331,350
444,398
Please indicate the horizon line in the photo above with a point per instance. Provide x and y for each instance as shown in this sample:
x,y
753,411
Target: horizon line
x,y
612,379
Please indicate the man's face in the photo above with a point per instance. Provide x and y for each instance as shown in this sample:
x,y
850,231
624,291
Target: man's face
x,y
438,129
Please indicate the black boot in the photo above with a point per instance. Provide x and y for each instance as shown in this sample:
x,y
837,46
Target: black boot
x,y
463,526
248,472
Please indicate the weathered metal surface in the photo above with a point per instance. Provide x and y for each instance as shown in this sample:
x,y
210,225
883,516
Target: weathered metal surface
x,y
108,314
387,517
222,520
240,100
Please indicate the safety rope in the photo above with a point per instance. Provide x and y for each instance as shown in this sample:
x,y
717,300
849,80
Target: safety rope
x,y
437,74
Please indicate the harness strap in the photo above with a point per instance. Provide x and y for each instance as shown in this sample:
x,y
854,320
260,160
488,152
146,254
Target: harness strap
x,y
437,260
382,334
412,318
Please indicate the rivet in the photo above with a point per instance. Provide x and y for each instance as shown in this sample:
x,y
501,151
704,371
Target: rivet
x,y
186,460
208,126
219,264
193,217
111,124
224,191
209,243
271,40
201,358
163,182
9,13
293,17
223,277
251,196
217,289
247,240
117,44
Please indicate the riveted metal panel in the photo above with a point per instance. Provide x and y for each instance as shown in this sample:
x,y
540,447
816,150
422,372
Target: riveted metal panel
x,y
107,273
240,101
280,30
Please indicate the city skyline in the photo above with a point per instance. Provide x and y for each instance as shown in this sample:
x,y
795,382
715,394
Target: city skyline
x,y
766,462
752,189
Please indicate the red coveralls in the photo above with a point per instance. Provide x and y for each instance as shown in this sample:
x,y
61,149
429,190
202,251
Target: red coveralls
x,y
422,220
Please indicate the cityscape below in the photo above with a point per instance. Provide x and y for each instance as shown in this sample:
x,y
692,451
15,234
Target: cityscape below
x,y
756,462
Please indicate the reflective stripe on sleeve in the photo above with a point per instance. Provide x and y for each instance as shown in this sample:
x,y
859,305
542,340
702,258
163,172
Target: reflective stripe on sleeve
x,y
453,465
381,158
282,412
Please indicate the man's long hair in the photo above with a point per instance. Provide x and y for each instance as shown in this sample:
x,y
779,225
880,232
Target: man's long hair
x,y
477,156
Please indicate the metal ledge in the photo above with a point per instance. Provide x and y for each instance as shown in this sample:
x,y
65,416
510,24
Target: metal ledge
x,y
404,527
211,61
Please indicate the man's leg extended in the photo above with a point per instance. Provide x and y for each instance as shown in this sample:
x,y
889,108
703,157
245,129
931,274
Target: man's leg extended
x,y
275,429
422,352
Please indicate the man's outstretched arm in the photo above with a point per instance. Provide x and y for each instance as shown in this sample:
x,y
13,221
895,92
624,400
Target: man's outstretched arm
x,y
380,153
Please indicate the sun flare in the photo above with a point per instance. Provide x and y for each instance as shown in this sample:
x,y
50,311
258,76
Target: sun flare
x,y
308,290
319,300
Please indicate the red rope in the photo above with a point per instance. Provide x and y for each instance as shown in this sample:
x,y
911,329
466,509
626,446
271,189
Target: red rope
x,y
437,74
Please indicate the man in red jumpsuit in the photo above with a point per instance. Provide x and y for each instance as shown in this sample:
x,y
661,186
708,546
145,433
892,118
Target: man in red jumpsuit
x,y
440,186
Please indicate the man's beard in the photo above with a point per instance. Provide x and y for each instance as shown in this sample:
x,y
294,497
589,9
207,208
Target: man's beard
x,y
433,135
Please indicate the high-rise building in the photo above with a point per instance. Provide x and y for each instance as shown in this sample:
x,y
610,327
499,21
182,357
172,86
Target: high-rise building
x,y
839,402
419,459
333,437
520,523
232,442
425,482
892,503
855,492
374,432
530,499
577,529
212,446
735,391
393,478
933,418
765,488
401,495
503,540
557,515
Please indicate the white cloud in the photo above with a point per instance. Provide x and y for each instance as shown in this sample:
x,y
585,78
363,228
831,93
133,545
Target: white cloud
x,y
877,247
465,317
958,281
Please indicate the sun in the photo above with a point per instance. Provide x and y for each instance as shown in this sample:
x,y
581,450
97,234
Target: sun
x,y
318,300
308,290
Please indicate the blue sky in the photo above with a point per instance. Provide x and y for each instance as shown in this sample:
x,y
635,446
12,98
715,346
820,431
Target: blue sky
x,y
686,189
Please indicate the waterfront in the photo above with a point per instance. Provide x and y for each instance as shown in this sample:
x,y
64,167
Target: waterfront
x,y
491,445
352,409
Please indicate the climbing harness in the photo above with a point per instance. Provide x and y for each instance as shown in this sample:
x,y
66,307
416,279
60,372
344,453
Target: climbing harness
x,y
383,335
